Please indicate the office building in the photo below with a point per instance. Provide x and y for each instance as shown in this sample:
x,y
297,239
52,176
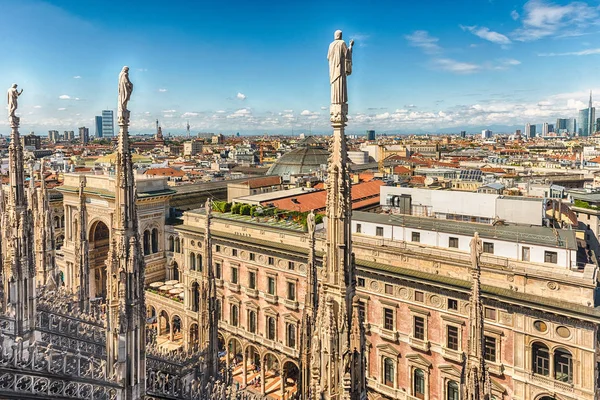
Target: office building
x,y
530,130
192,147
108,126
587,117
84,135
69,135
486,134
98,124
370,135
53,136
545,129
31,141
463,134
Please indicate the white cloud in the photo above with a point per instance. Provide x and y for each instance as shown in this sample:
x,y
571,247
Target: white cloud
x,y
486,34
189,114
37,106
587,52
142,69
514,15
162,90
169,111
324,107
240,96
241,113
542,19
307,113
62,109
422,40
64,97
77,77
458,67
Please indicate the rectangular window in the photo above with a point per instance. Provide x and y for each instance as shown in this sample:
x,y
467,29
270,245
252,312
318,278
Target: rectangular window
x,y
550,257
252,257
271,261
525,253
488,247
358,228
360,282
218,270
291,293
388,319
490,313
291,265
452,337
252,280
234,252
490,348
271,285
453,242
419,328
452,304
218,248
419,296
234,275
389,289
416,237
362,310
379,231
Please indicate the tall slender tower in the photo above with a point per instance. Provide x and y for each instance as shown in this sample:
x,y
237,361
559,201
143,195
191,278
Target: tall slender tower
x,y
45,256
82,250
591,117
19,267
208,307
337,345
126,335
475,380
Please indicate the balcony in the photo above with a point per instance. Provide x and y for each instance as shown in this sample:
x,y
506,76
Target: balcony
x,y
234,287
219,283
270,298
251,292
548,383
418,344
290,304
388,334
453,355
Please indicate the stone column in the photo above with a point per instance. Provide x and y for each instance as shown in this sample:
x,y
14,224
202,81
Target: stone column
x,y
282,386
244,369
263,389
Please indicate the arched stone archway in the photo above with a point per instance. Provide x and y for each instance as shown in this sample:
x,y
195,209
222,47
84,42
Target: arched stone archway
x,y
99,239
271,374
250,373
290,375
194,335
164,324
234,354
176,329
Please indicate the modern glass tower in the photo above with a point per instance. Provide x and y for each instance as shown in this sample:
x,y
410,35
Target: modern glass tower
x,y
587,118
108,125
98,124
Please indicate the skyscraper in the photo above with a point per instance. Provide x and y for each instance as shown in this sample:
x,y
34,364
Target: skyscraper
x,y
486,134
84,135
98,123
530,130
108,126
545,129
587,117
371,135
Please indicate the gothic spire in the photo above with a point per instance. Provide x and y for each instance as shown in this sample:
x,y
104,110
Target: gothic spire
x,y
475,382
45,253
126,319
81,250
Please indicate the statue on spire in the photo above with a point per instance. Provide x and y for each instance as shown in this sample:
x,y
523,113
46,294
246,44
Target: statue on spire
x,y
125,90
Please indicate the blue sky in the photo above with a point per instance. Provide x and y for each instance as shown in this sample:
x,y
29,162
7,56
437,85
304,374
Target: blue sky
x,y
260,66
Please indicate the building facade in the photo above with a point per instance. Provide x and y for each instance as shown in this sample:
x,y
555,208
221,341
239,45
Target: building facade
x,y
108,124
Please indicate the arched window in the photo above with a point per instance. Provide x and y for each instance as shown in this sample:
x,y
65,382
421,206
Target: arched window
x,y
154,240
146,242
452,391
177,246
388,372
234,315
252,321
291,335
192,262
540,361
175,271
270,328
171,244
199,262
59,241
563,366
419,384
195,297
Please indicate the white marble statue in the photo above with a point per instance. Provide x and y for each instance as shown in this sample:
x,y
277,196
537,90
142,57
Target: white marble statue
x,y
13,95
125,89
340,66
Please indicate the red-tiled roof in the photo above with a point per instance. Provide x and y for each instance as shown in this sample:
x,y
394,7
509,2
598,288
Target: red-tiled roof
x,y
493,170
363,194
401,170
262,182
165,172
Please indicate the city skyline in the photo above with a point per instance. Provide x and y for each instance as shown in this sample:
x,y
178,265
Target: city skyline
x,y
250,69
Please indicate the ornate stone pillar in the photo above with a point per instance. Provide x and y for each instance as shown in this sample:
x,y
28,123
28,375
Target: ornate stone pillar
x,y
263,389
244,369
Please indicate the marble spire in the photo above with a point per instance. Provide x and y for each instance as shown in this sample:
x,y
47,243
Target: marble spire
x,y
126,309
337,343
475,380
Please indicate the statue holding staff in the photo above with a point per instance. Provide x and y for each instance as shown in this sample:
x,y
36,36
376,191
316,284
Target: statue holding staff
x,y
125,90
13,96
340,66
